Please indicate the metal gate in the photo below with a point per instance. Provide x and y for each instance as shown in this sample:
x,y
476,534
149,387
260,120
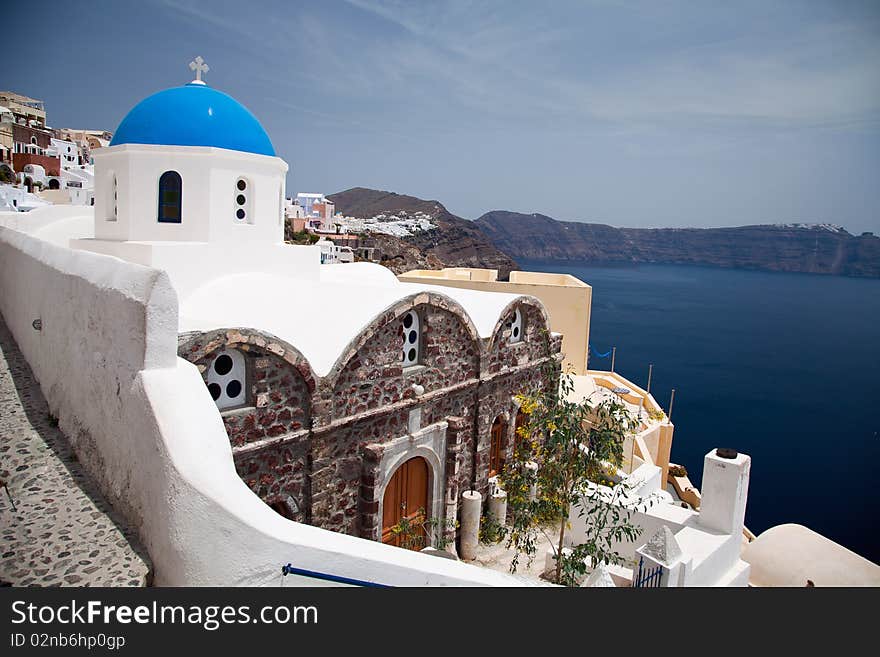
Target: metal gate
x,y
648,578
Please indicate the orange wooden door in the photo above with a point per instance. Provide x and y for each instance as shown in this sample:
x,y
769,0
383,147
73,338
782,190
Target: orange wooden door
x,y
496,447
406,496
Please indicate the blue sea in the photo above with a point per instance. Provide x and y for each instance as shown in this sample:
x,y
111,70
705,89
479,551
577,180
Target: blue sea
x,y
783,367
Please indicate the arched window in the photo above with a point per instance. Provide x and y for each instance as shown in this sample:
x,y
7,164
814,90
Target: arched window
x,y
412,337
226,379
242,212
170,197
112,212
496,447
516,327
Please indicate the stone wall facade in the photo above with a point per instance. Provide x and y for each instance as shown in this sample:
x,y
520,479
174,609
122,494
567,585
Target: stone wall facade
x,y
321,450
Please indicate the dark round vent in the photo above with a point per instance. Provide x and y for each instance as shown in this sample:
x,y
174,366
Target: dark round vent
x,y
233,389
726,453
215,391
223,365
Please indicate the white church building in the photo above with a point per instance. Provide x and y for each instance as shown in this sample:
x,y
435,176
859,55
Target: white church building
x,y
241,405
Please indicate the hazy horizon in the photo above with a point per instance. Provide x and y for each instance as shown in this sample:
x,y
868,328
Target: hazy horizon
x,y
537,212
653,114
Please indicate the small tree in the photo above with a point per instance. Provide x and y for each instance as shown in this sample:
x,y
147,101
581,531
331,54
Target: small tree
x,y
421,531
577,446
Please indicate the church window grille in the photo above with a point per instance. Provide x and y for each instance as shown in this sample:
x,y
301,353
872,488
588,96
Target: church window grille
x,y
226,379
170,197
412,337
242,203
516,327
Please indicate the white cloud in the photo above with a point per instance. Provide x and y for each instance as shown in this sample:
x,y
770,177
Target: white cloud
x,y
815,74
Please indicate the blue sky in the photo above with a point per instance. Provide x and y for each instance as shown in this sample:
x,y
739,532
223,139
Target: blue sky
x,y
656,113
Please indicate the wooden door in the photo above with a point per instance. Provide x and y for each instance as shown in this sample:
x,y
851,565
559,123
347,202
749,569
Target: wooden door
x,y
406,496
496,447
521,421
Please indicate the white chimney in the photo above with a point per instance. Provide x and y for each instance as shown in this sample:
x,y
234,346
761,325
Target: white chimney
x,y
725,490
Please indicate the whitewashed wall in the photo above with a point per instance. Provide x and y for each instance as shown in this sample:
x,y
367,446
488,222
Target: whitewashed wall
x,y
648,513
208,208
142,422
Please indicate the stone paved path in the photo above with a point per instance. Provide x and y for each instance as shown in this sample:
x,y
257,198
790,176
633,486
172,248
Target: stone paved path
x,y
62,533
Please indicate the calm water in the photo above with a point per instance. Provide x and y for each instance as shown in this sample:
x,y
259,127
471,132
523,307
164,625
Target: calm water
x,y
784,367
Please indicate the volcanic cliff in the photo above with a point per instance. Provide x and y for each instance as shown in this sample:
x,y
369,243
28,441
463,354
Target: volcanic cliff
x,y
456,242
813,248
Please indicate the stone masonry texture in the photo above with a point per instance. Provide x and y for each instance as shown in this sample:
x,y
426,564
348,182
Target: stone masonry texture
x,y
311,447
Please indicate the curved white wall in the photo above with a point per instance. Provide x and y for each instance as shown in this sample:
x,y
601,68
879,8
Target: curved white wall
x,y
143,423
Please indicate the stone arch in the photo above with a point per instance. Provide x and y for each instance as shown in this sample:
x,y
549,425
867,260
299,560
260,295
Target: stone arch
x,y
278,378
395,312
195,345
54,184
429,444
523,302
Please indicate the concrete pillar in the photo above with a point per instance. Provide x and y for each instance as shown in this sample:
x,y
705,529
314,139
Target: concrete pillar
x,y
471,503
533,490
725,491
498,506
663,552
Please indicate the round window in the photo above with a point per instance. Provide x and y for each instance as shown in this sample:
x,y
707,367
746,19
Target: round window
x,y
516,326
225,378
223,364
411,332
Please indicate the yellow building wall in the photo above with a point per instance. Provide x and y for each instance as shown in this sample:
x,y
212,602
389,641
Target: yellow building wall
x,y
566,298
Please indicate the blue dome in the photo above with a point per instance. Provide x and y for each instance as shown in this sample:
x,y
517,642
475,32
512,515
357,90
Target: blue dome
x,y
193,115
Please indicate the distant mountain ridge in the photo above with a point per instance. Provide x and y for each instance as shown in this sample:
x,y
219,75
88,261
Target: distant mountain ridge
x,y
811,248
456,242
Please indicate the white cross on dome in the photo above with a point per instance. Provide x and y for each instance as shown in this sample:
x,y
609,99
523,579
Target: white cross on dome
x,y
198,65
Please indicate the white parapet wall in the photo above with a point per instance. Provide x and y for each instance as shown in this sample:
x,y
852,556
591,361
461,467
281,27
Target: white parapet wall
x,y
708,544
145,427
